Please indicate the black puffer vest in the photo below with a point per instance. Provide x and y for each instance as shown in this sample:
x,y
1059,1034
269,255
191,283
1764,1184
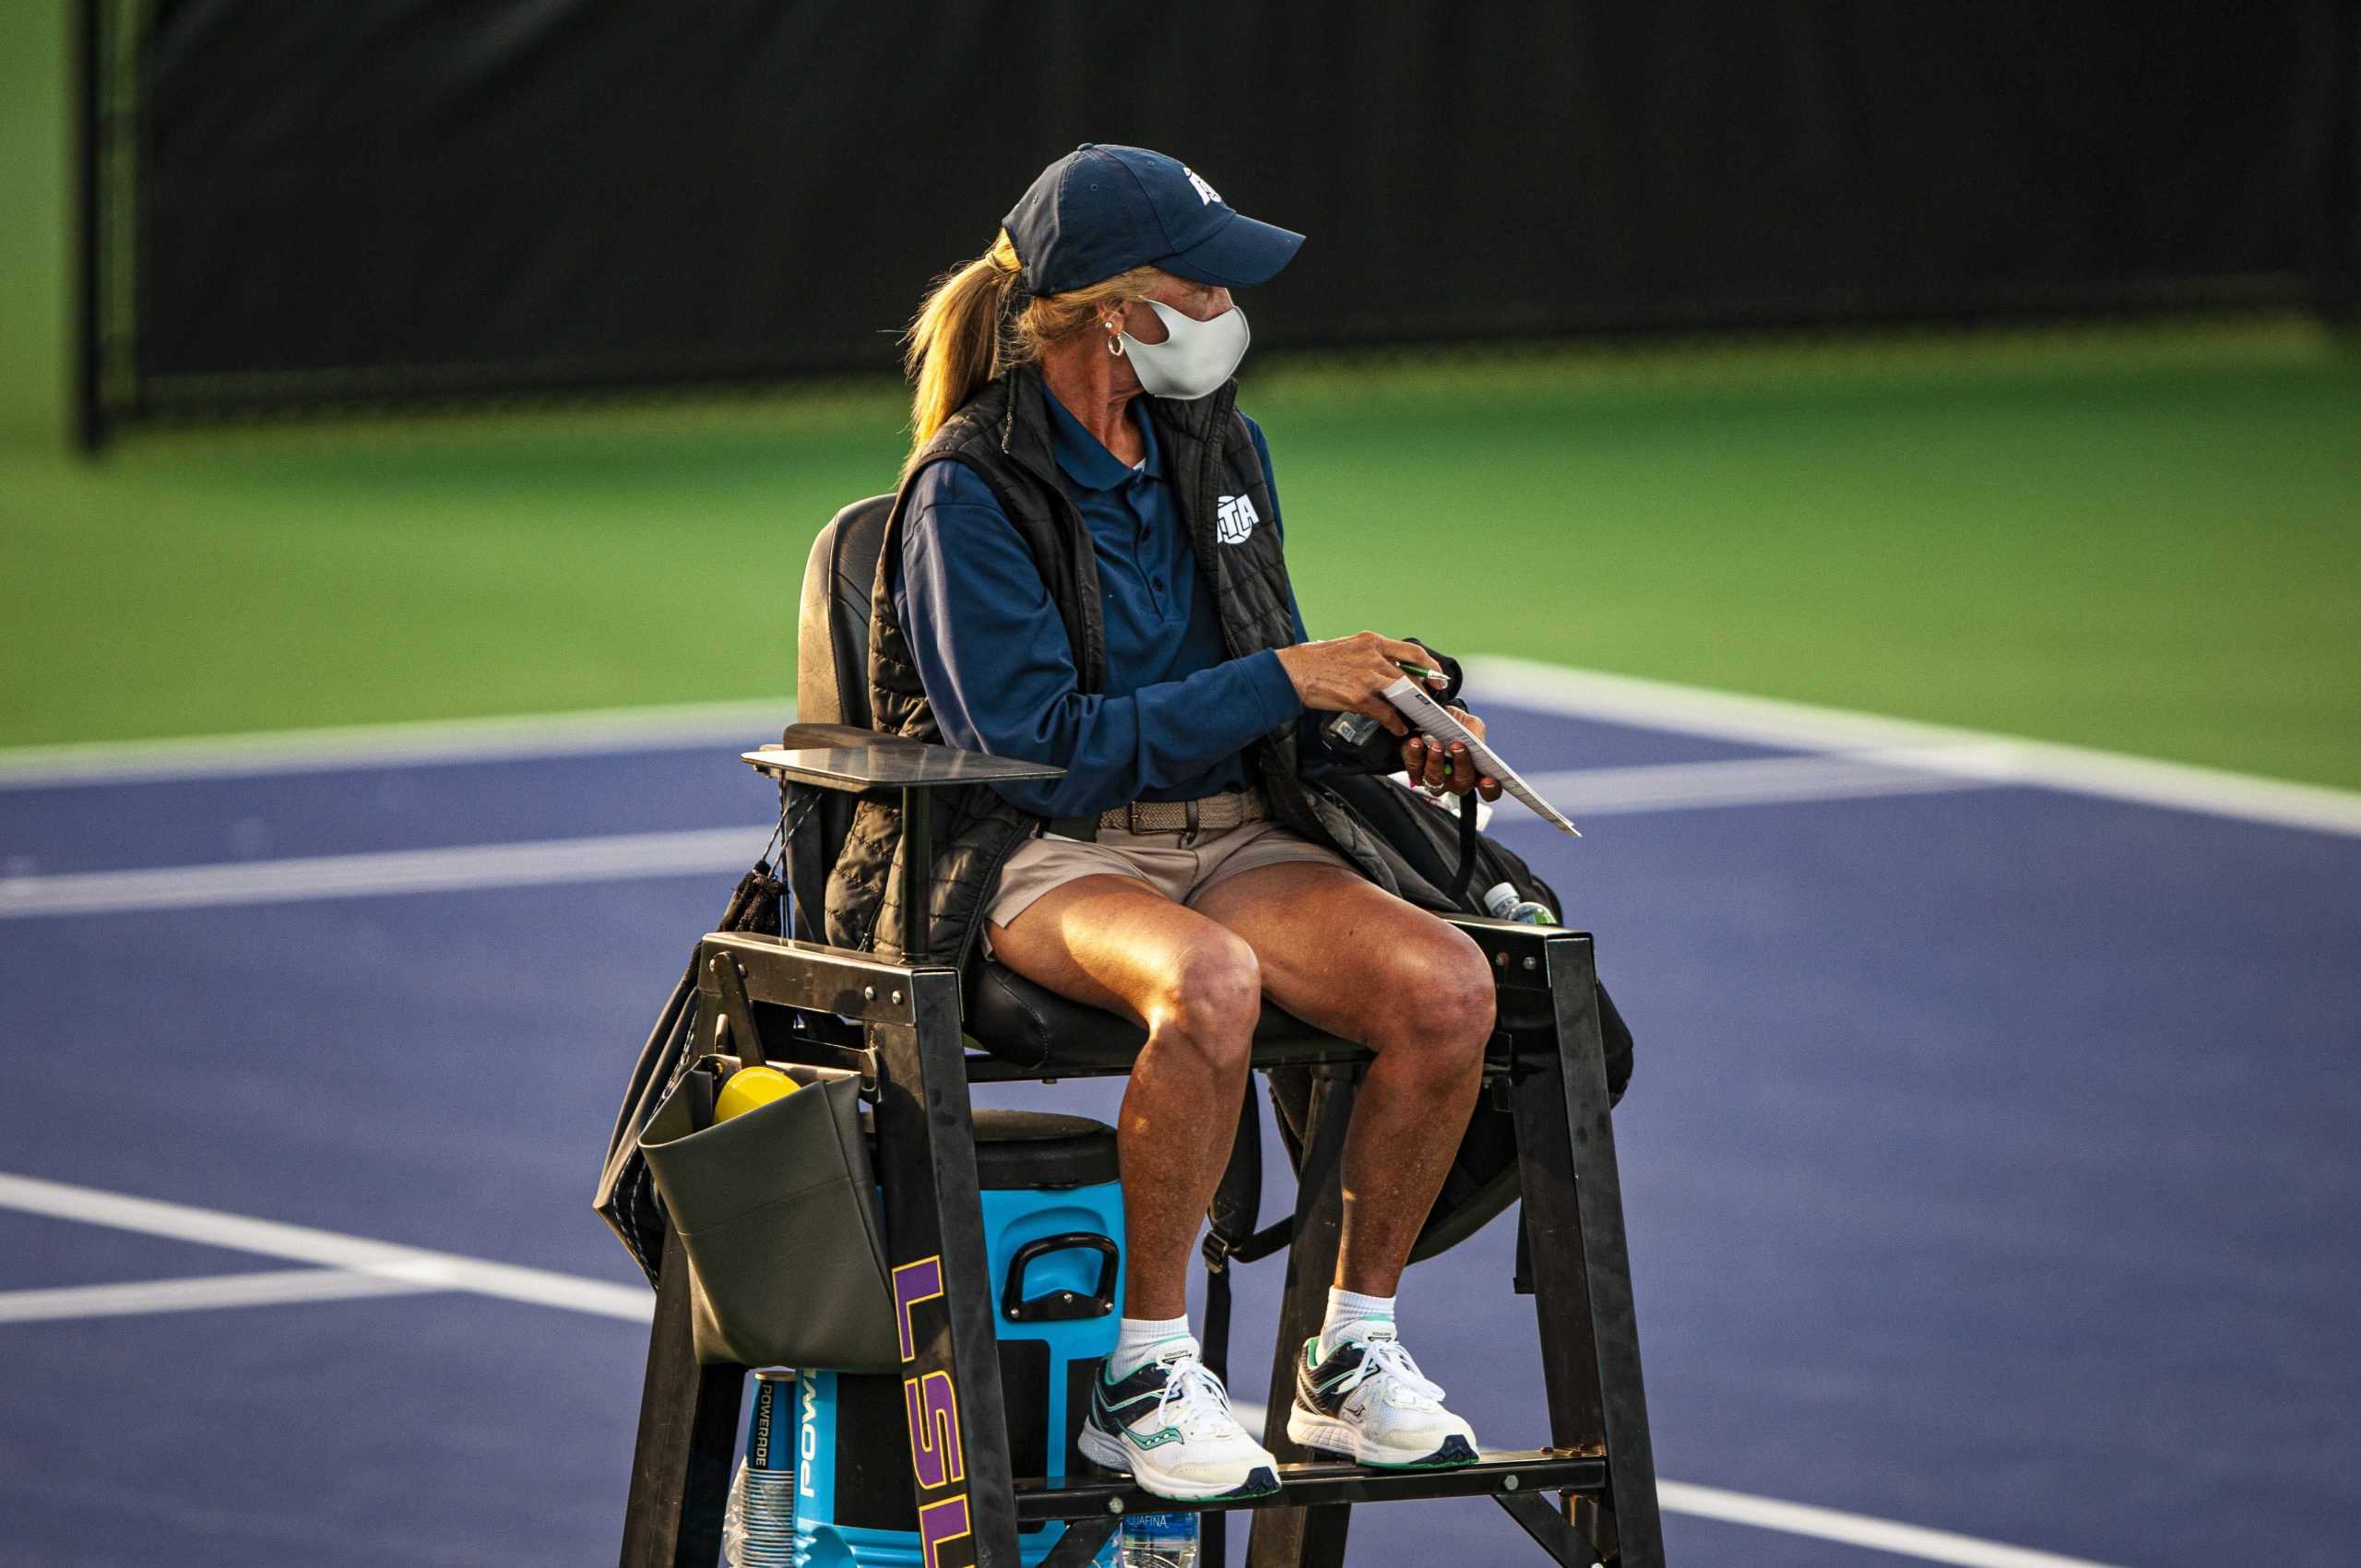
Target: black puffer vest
x,y
1002,434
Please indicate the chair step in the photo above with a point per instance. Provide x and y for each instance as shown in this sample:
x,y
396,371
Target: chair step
x,y
1302,1486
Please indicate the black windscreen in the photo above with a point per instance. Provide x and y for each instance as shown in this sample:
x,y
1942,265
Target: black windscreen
x,y
408,196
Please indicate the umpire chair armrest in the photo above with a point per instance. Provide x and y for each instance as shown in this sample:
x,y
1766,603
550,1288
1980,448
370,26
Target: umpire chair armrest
x,y
1529,963
842,756
863,761
1516,951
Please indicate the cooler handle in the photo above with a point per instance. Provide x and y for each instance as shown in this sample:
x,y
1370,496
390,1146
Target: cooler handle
x,y
1061,1306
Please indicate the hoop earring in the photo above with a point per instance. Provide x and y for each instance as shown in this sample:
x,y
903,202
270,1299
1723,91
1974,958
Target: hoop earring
x,y
1115,345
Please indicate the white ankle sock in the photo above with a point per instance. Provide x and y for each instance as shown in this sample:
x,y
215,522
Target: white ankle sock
x,y
1142,1339
1346,1308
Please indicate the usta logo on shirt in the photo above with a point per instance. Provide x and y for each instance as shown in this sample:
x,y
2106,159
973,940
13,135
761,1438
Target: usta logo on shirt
x,y
1234,519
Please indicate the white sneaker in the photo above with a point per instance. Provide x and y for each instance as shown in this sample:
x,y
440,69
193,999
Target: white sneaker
x,y
1169,1422
1368,1402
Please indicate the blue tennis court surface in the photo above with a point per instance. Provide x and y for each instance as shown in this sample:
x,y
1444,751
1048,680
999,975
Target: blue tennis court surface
x,y
1993,1164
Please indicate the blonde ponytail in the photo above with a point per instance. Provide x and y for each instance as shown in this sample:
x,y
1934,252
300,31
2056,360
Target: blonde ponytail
x,y
969,331
959,338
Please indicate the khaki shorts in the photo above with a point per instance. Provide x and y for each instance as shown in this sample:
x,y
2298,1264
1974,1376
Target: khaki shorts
x,y
1180,871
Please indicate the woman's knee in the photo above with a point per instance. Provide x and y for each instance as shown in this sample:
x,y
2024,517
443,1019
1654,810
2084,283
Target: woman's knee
x,y
1212,997
1442,1007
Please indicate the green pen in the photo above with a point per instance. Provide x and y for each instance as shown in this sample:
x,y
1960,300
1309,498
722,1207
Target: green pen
x,y
1420,671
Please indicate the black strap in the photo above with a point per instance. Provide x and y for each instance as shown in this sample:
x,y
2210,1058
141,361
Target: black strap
x,y
627,1195
1082,827
745,1039
1466,875
1229,1225
1230,1236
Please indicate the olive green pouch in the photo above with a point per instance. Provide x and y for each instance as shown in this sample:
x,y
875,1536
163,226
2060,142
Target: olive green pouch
x,y
776,1209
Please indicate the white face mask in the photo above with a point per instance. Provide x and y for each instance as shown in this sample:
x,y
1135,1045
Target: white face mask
x,y
1196,357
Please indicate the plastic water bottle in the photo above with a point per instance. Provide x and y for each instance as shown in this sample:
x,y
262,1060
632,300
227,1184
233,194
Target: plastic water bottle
x,y
1158,1540
758,1526
1501,903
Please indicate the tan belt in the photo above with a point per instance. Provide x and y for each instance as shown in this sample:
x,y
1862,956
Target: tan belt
x,y
1212,814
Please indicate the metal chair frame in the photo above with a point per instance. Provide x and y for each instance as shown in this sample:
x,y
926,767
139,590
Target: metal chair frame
x,y
1587,1499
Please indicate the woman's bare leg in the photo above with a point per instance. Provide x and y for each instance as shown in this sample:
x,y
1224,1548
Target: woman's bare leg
x,y
1114,943
1347,956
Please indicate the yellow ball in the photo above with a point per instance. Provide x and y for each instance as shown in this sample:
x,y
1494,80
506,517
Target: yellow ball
x,y
749,1087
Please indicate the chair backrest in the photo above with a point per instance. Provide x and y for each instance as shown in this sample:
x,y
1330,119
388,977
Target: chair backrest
x,y
832,623
832,684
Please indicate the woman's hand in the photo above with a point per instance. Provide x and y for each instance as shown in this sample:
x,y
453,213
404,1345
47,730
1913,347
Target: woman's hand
x,y
1441,771
1346,674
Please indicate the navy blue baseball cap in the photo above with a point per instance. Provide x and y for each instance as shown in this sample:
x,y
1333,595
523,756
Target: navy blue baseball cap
x,y
1101,210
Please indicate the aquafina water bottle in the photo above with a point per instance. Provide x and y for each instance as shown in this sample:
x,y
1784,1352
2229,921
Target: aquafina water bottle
x,y
1158,1540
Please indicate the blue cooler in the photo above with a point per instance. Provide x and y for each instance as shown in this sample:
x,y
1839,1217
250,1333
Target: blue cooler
x,y
1053,1236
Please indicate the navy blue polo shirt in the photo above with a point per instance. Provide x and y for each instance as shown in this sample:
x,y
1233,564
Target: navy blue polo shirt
x,y
999,672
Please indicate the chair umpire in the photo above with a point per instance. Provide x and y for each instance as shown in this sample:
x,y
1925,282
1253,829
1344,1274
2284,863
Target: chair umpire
x,y
1085,567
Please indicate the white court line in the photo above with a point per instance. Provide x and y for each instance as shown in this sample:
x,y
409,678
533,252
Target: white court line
x,y
1751,781
590,732
536,863
1854,1530
1581,694
201,1293
415,1268
1804,1519
1995,759
621,856
412,1266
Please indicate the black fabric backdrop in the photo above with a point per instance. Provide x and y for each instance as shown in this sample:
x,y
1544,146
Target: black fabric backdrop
x,y
417,195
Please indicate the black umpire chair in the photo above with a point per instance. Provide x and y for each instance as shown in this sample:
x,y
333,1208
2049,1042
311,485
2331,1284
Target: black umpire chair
x,y
1589,1498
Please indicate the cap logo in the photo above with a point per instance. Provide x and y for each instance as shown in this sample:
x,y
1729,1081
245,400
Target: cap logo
x,y
1206,194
